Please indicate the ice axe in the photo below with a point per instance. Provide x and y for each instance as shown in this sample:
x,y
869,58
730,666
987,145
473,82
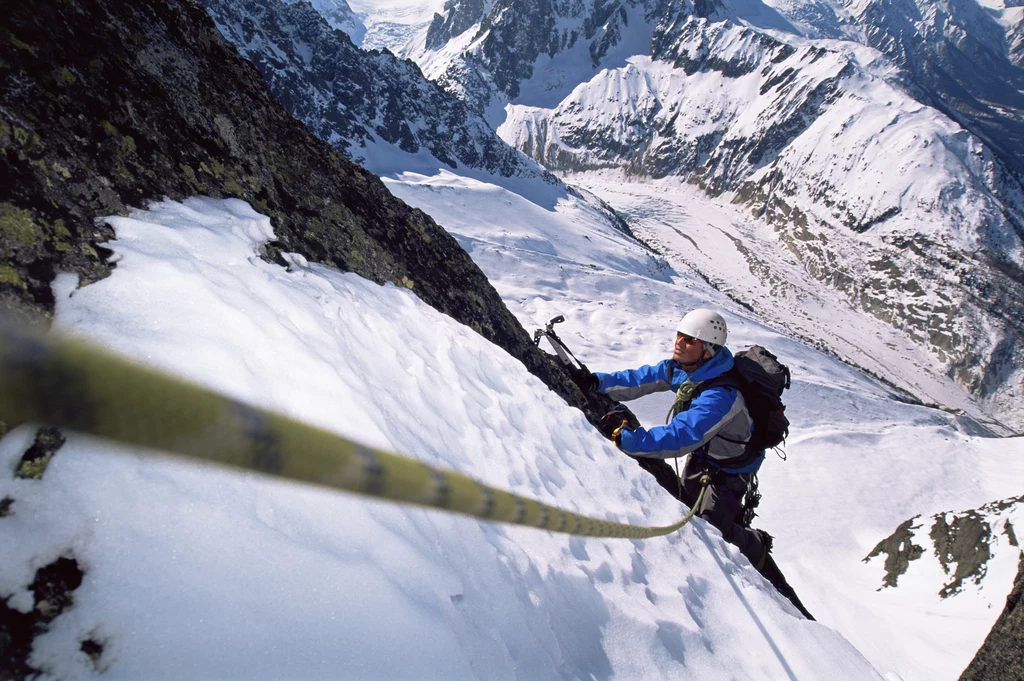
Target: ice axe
x,y
563,352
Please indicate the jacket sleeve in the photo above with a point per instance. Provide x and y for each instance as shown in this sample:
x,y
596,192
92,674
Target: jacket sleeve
x,y
689,430
634,383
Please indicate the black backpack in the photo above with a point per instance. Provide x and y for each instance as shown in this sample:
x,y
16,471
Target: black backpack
x,y
762,378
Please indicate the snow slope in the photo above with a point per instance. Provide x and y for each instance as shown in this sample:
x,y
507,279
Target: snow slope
x,y
202,573
860,461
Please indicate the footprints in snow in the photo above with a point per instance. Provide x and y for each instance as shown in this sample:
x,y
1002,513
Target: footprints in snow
x,y
674,635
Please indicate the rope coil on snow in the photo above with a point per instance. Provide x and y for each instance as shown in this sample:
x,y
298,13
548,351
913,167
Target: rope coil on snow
x,y
75,385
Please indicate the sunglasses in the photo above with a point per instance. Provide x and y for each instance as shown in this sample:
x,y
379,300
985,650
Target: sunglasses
x,y
689,340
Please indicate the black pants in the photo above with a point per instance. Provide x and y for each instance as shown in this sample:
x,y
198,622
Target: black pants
x,y
721,506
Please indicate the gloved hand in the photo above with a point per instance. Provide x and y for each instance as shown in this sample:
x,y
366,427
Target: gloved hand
x,y
612,424
585,380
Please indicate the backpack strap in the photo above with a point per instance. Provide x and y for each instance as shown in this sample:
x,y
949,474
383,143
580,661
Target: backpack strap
x,y
726,380
729,379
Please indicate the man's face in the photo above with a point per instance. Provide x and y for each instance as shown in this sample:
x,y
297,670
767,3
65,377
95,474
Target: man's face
x,y
688,350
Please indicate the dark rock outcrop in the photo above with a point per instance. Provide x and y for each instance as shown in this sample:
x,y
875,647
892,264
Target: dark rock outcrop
x,y
1001,656
53,592
962,542
899,549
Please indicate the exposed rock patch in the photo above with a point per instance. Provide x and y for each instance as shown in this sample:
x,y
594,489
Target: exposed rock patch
x,y
899,549
962,547
35,460
53,590
961,542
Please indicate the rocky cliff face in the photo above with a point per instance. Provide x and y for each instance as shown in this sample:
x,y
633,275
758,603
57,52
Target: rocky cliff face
x,y
459,16
353,98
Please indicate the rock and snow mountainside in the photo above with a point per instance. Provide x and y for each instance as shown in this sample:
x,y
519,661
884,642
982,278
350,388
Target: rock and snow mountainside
x,y
353,98
960,542
917,218
959,548
119,565
339,15
486,51
955,56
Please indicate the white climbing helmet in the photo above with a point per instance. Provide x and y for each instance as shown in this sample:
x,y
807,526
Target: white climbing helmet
x,y
706,325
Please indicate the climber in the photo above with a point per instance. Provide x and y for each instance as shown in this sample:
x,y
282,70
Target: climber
x,y
709,421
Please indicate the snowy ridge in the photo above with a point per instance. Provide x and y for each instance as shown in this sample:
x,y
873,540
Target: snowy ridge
x,y
956,56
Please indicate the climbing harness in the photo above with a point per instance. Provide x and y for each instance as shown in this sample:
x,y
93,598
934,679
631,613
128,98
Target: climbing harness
x,y
72,384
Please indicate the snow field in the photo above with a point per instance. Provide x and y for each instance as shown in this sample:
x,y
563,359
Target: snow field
x,y
193,571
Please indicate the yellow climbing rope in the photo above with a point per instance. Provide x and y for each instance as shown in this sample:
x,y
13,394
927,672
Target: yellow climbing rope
x,y
75,385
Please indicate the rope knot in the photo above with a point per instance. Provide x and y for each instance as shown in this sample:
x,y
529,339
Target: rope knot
x,y
683,398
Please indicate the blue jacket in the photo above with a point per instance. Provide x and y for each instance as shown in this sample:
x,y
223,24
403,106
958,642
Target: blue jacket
x,y
715,426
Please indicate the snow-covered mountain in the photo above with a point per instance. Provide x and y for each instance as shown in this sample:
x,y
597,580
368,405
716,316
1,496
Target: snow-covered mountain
x,y
955,56
352,98
847,154
339,15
